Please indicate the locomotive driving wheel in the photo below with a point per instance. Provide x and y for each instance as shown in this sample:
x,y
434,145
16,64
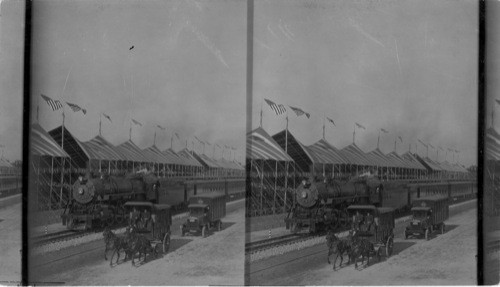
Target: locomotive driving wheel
x,y
389,246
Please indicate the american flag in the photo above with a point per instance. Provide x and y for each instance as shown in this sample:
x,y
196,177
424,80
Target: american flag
x,y
278,109
161,128
497,100
76,108
400,138
360,126
384,131
299,112
330,120
106,116
136,122
54,105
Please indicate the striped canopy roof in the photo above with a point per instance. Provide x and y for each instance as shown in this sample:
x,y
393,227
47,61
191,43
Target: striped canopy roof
x,y
131,152
260,145
404,163
354,155
205,160
381,159
187,156
42,143
492,144
410,158
4,163
430,163
324,153
156,156
100,149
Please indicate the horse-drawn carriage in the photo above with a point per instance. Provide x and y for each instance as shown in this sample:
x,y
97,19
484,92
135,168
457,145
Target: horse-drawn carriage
x,y
152,221
376,225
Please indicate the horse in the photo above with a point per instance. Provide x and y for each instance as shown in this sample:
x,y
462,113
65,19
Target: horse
x,y
115,243
361,247
338,247
139,244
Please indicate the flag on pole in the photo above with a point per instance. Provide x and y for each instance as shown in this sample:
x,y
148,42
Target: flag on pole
x,y
400,138
106,116
278,109
384,131
76,108
497,100
360,126
198,139
218,145
422,143
54,105
177,135
136,122
161,128
299,112
330,120
131,48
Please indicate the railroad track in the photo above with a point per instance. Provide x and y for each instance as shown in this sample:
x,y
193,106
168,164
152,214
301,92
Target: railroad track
x,y
57,237
268,243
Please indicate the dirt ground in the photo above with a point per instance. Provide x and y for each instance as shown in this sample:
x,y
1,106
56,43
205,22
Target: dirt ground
x,y
447,259
10,237
215,260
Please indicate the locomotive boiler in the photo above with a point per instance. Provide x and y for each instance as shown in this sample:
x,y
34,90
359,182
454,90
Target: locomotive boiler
x,y
322,204
99,201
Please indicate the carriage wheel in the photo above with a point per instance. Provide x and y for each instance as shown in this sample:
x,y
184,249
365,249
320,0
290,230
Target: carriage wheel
x,y
442,228
219,225
389,246
166,242
427,234
110,220
71,224
204,231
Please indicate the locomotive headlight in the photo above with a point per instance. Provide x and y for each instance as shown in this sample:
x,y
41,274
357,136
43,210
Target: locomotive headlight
x,y
304,194
80,191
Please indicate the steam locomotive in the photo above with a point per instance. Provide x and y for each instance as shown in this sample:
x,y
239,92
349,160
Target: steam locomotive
x,y
323,204
99,202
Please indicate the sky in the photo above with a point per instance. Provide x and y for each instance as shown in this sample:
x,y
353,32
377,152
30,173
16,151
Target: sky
x,y
407,66
186,71
11,78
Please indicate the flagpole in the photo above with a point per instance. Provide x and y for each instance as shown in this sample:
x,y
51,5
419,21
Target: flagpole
x,y
324,125
286,133
354,134
154,140
261,113
492,113
130,132
171,141
100,119
395,150
378,140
